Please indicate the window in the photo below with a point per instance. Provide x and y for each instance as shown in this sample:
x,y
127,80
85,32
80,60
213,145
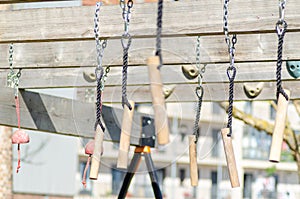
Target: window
x,y
214,186
215,145
216,109
248,179
117,180
272,113
181,176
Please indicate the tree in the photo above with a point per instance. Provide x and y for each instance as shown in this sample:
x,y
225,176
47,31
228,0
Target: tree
x,y
290,136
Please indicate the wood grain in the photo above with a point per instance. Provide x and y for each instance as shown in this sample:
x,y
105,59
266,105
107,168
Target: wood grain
x,y
158,101
256,15
277,137
98,150
125,136
193,161
230,158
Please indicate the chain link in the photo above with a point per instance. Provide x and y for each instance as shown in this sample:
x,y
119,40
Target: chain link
x,y
126,14
100,44
281,24
103,80
231,70
13,77
199,91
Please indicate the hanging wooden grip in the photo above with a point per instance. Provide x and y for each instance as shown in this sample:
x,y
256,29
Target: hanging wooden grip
x,y
158,101
125,136
279,127
230,159
96,157
193,161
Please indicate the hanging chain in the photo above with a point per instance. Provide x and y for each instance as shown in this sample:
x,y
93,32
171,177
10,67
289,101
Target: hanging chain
x,y
199,91
13,77
126,42
281,27
158,32
231,70
99,72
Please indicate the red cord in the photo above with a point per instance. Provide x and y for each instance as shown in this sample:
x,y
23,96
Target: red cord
x,y
19,159
18,110
85,171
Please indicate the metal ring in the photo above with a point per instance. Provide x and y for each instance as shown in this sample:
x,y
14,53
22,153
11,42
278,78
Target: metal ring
x,y
126,36
199,91
231,76
281,27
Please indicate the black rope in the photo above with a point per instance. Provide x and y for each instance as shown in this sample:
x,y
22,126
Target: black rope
x,y
231,72
280,33
158,32
124,71
199,92
99,102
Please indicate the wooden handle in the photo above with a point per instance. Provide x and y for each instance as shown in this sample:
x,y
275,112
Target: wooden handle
x,y
158,101
279,127
193,161
230,159
99,135
125,136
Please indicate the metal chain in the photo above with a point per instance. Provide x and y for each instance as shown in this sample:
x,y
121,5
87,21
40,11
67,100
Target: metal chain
x,y
13,77
158,32
126,42
99,72
231,70
199,91
281,27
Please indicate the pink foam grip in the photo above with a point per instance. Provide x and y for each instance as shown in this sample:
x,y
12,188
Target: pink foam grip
x,y
89,147
20,137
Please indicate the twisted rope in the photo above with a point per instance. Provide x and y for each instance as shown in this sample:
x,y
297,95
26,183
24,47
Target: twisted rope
x,y
124,71
158,32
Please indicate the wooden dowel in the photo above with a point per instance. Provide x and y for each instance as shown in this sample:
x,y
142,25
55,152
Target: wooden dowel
x,y
229,153
193,161
125,136
96,157
279,127
158,101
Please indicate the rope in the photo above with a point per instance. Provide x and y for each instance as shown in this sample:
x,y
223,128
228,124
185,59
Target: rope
x,y
231,97
199,92
124,70
158,32
280,34
99,106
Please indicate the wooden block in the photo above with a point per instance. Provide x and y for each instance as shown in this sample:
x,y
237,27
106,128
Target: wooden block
x,y
96,157
279,127
193,161
125,136
230,159
158,101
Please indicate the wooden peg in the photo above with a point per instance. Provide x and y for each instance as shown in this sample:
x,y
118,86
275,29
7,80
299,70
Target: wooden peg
x,y
230,159
158,101
96,157
125,136
279,127
193,161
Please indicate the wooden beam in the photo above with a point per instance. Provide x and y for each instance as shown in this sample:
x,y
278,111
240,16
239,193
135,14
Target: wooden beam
x,y
186,92
180,19
250,48
137,75
63,116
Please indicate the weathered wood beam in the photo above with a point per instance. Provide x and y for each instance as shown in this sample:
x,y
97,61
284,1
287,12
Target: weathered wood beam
x,y
186,92
137,75
63,116
250,48
180,19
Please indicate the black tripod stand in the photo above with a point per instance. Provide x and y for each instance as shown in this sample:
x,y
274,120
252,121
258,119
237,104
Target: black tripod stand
x,y
138,153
